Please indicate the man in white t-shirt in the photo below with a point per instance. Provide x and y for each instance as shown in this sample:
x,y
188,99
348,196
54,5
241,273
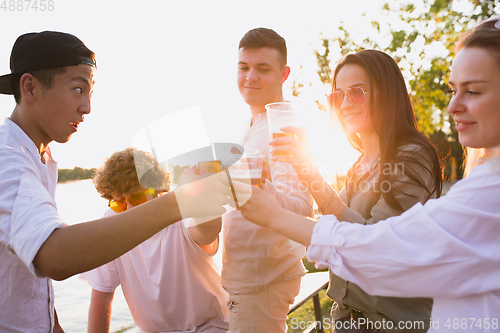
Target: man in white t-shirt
x,y
170,281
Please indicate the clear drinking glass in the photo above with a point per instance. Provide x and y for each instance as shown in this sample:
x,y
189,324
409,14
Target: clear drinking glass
x,y
279,115
248,169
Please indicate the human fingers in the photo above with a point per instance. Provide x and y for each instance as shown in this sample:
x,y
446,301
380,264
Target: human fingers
x,y
188,175
260,207
284,158
190,171
265,171
293,129
286,150
242,191
203,196
285,141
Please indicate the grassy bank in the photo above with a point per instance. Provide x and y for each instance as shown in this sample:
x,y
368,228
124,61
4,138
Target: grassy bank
x,y
305,314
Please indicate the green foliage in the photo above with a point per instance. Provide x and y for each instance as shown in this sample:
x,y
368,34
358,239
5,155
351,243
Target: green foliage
x,y
310,266
297,86
425,26
430,96
305,313
323,62
398,40
64,175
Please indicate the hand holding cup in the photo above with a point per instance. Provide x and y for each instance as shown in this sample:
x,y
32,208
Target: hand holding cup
x,y
262,207
294,149
202,195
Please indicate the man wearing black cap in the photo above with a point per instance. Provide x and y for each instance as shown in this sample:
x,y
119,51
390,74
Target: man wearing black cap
x,y
51,80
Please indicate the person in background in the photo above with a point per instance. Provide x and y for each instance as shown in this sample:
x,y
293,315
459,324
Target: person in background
x,y
52,81
170,281
446,249
261,270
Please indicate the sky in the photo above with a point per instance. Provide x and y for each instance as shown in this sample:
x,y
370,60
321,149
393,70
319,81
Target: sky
x,y
155,58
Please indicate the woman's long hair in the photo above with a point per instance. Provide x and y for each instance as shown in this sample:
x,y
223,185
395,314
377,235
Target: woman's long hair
x,y
394,121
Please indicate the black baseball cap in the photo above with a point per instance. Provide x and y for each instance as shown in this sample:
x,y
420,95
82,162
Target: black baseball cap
x,y
43,50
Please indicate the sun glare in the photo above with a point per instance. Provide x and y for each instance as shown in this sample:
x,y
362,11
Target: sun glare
x,y
331,150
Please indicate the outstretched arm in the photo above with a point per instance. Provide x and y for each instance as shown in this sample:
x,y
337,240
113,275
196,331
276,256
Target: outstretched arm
x,y
432,250
82,247
264,209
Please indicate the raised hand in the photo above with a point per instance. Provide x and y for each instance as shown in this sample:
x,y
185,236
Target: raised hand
x,y
262,207
202,195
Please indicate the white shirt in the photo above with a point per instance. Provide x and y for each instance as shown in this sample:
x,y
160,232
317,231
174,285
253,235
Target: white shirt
x,y
170,284
28,215
447,249
255,257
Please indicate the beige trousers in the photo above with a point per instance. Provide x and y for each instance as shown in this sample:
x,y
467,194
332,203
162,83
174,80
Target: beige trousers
x,y
264,311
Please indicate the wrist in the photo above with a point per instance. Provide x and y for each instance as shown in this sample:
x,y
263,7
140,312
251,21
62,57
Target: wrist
x,y
315,181
329,201
336,207
170,200
278,220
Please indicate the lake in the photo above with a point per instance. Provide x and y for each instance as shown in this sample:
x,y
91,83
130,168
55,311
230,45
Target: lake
x,y
77,202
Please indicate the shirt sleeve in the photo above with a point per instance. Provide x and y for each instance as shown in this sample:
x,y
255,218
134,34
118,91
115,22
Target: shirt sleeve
x,y
446,248
406,191
32,214
186,225
286,186
104,278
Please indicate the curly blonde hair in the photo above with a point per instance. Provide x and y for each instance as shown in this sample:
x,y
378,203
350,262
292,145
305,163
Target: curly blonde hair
x,y
127,170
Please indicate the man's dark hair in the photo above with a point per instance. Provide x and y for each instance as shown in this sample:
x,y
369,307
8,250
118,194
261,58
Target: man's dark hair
x,y
263,37
45,76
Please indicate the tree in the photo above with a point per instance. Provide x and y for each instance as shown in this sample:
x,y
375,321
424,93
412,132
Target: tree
x,y
76,173
422,42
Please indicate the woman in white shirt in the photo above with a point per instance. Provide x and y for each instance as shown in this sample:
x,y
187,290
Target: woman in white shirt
x,y
447,249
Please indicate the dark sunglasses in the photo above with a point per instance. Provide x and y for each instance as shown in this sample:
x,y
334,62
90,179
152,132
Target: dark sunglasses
x,y
355,94
137,199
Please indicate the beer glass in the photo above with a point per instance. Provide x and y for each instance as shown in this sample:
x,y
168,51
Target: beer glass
x,y
279,115
248,169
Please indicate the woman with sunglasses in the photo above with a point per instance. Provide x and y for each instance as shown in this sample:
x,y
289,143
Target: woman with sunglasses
x,y
398,168
170,281
447,248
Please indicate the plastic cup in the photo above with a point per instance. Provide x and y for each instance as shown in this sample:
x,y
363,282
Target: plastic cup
x,y
248,169
279,115
209,167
